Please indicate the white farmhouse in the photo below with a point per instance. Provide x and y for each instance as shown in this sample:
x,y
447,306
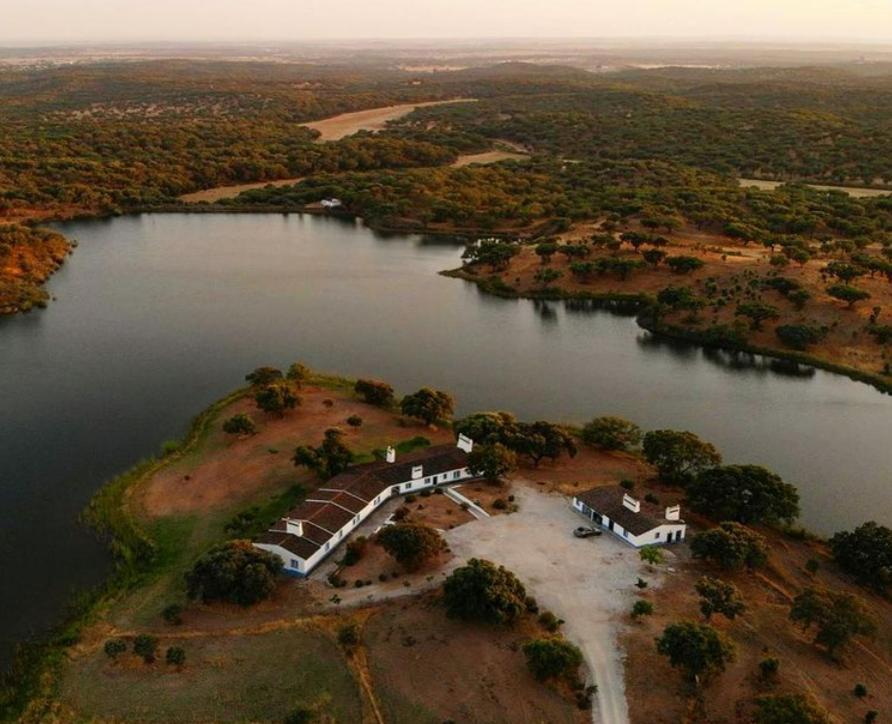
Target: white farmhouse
x,y
317,526
330,203
637,522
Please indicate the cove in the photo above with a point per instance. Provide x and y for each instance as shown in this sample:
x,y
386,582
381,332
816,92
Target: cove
x,y
158,315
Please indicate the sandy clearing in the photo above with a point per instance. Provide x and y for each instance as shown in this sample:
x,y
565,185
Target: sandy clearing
x,y
488,157
855,191
372,119
225,192
589,583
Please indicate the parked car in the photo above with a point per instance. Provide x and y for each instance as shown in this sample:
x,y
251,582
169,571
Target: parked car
x,y
585,531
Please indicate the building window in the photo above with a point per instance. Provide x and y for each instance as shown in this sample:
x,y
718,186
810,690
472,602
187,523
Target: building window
x,y
427,481
327,546
625,534
406,486
657,534
455,475
295,563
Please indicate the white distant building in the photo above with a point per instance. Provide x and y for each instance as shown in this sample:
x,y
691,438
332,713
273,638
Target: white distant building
x,y
635,521
310,532
330,203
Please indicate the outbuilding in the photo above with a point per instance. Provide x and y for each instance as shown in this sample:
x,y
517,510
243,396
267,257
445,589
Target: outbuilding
x,y
638,522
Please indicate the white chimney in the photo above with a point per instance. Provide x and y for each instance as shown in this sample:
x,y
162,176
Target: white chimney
x,y
673,512
465,443
417,471
293,527
391,455
632,504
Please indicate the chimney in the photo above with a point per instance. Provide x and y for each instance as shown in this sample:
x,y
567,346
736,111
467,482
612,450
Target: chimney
x,y
391,455
673,513
417,471
465,443
293,527
632,504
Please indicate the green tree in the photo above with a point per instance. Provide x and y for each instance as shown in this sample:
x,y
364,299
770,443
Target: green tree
x,y
544,277
486,427
145,646
838,616
234,571
552,658
717,596
651,555
654,257
240,424
539,440
847,294
731,546
298,374
743,493
491,461
866,554
642,607
611,433
678,456
263,376
331,458
799,336
348,636
275,398
481,591
788,709
546,250
757,312
428,405
374,392
115,647
411,545
697,649
683,264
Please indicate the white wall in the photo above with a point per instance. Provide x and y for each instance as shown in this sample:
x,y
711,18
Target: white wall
x,y
656,536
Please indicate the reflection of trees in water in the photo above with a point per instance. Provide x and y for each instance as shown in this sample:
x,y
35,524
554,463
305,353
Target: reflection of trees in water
x,y
545,310
731,360
442,240
590,306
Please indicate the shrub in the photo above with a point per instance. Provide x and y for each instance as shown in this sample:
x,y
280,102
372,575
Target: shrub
x,y
768,668
145,646
549,621
354,421
860,691
531,604
731,546
115,647
355,550
240,424
799,336
812,565
374,392
348,635
175,656
500,504
787,709
481,591
301,715
552,658
235,571
169,447
173,614
411,545
641,607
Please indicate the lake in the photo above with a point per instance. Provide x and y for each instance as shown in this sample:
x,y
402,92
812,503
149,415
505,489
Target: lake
x,y
159,315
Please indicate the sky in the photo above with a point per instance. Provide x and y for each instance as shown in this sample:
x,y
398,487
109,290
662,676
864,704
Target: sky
x,y
23,21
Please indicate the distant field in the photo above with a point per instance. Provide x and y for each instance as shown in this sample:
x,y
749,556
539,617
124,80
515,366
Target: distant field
x,y
857,191
225,192
373,119
488,157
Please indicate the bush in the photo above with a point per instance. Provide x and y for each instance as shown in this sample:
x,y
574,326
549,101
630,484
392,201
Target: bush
x,y
531,604
552,658
173,614
355,550
768,668
812,565
500,504
175,656
354,421
301,715
549,621
788,709
481,591
860,691
240,424
115,647
235,571
169,447
348,635
145,646
799,336
641,608
411,545
731,546
374,392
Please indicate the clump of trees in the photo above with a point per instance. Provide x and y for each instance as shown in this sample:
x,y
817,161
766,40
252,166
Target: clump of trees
x,y
275,398
234,571
837,616
743,493
866,554
410,545
679,456
732,546
611,433
482,591
799,336
428,405
533,440
552,658
375,392
697,649
330,458
788,709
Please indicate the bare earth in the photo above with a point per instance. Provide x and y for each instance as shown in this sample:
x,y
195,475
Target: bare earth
x,y
373,119
488,157
224,192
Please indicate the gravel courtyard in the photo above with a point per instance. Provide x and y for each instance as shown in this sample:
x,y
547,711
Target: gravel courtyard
x,y
587,582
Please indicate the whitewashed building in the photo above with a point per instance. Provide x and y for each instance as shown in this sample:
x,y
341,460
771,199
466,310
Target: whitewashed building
x,y
313,529
635,521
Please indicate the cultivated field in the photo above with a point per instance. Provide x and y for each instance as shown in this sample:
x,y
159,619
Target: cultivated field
x,y
373,119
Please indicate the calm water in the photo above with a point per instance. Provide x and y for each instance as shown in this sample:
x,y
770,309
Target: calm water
x,y
159,315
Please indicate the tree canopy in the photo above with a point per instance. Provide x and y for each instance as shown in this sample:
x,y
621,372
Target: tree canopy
x,y
731,545
331,458
234,571
866,554
678,456
411,545
482,591
743,493
697,649
428,405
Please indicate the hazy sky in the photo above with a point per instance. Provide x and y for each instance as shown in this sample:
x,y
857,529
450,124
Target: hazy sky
x,y
129,20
